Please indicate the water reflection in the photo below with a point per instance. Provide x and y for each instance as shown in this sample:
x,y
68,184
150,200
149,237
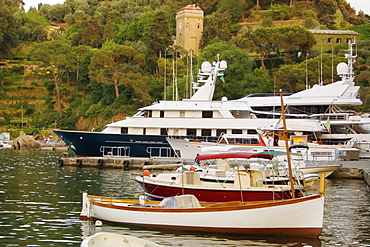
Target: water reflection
x,y
40,203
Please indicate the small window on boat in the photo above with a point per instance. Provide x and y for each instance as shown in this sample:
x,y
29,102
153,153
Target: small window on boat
x,y
206,132
124,130
191,132
221,131
237,131
144,131
207,114
252,131
150,113
161,114
254,141
163,132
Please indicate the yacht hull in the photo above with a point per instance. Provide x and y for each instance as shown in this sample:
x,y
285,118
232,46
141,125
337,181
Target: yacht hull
x,y
97,144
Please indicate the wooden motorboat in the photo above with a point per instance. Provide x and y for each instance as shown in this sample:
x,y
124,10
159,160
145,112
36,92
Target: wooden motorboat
x,y
300,217
108,239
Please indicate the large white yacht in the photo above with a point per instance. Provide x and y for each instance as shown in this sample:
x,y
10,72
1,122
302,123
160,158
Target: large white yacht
x,y
144,134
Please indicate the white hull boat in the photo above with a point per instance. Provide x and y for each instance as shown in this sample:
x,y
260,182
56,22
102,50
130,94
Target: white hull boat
x,y
302,217
108,239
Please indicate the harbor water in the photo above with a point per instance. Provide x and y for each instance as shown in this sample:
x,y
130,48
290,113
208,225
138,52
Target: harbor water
x,y
40,203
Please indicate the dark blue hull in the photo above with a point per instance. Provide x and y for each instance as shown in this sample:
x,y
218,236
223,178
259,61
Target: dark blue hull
x,y
97,144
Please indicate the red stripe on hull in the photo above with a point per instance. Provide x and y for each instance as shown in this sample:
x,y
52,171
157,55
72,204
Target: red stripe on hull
x,y
159,192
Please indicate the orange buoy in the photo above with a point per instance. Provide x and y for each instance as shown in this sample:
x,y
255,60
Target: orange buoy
x,y
146,172
192,168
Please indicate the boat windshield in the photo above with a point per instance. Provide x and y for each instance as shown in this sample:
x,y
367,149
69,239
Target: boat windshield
x,y
139,114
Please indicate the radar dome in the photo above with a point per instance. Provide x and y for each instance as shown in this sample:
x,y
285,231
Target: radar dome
x,y
342,68
206,67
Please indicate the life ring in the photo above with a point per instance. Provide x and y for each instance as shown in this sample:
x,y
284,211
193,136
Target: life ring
x,y
126,163
61,162
100,162
79,162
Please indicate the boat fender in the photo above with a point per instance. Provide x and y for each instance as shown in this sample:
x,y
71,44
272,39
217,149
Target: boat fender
x,y
146,173
100,162
79,162
126,163
61,162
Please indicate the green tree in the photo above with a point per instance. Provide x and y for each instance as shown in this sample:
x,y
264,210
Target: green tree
x,y
157,36
234,7
56,12
59,56
85,32
9,24
295,77
262,40
217,27
293,39
112,64
33,27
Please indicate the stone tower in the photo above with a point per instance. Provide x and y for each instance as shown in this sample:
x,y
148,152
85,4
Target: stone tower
x,y
189,28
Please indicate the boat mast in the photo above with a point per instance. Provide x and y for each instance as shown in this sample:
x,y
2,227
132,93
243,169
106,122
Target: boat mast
x,y
285,136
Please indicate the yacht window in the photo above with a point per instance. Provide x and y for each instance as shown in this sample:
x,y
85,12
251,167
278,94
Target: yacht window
x,y
207,114
252,131
221,131
144,131
237,132
240,114
124,130
206,132
161,114
163,132
150,113
191,132
254,141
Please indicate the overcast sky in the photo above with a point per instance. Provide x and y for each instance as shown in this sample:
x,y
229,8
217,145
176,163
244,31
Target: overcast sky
x,y
363,5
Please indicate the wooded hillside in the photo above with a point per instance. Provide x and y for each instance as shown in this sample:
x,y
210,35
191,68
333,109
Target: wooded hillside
x,y
84,63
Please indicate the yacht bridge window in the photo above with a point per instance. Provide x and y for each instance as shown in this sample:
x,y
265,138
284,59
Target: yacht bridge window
x,y
124,130
240,113
207,114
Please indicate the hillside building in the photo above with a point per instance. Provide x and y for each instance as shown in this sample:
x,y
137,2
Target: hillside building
x,y
189,28
327,39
